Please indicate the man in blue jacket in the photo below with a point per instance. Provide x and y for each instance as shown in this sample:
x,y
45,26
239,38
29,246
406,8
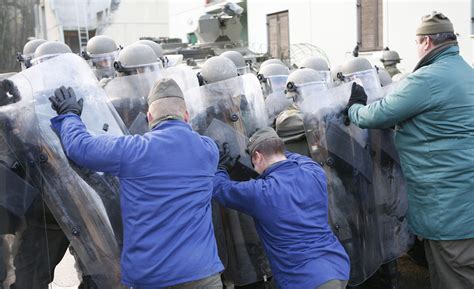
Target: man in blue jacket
x,y
433,115
289,204
166,189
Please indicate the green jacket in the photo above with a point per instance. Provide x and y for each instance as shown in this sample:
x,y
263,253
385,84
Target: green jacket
x,y
433,111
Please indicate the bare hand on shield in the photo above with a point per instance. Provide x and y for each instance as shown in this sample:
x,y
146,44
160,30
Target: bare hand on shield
x,y
8,92
64,101
226,161
359,96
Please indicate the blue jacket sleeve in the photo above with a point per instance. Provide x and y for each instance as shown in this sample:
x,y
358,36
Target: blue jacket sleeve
x,y
100,153
303,161
212,148
410,99
240,196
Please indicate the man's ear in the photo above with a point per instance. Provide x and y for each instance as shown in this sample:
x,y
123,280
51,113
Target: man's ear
x,y
149,117
186,116
428,44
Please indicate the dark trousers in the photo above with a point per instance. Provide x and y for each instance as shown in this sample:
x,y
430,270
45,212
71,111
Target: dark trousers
x,y
334,284
3,261
451,263
42,246
211,282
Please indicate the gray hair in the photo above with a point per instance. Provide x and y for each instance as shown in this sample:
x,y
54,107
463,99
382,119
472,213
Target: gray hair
x,y
441,38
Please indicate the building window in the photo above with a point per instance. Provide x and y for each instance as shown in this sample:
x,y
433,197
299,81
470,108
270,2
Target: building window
x,y
370,25
278,34
100,16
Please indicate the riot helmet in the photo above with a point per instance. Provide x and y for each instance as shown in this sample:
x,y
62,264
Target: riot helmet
x,y
217,68
356,64
273,78
271,61
101,52
304,81
360,69
390,57
238,60
157,49
48,50
28,52
136,59
318,64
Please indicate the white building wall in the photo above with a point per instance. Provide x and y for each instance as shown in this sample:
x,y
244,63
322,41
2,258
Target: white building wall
x,y
82,13
138,18
328,24
184,15
48,25
332,24
402,17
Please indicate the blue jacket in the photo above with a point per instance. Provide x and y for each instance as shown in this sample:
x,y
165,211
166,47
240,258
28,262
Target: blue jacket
x,y
166,189
289,204
433,110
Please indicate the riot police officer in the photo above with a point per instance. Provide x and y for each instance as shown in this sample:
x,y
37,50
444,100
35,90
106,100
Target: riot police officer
x,y
230,107
157,49
238,60
390,58
43,243
101,52
28,52
289,123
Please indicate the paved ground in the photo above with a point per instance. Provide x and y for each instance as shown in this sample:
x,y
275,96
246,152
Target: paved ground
x,y
65,275
412,276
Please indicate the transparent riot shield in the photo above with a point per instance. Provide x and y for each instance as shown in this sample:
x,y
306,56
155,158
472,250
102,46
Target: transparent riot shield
x,y
390,189
275,98
367,193
343,152
6,75
16,197
128,94
326,75
184,76
85,204
230,111
370,81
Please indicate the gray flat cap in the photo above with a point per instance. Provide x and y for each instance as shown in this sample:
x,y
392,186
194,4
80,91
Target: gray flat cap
x,y
259,136
163,88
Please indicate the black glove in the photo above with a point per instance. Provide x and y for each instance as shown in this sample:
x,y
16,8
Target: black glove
x,y
358,95
8,92
64,101
226,161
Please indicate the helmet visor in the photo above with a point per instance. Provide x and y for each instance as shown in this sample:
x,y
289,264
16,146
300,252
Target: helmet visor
x,y
138,69
369,80
40,59
310,89
103,64
243,70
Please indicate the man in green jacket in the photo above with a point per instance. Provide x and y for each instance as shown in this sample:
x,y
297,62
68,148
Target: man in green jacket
x,y
433,115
